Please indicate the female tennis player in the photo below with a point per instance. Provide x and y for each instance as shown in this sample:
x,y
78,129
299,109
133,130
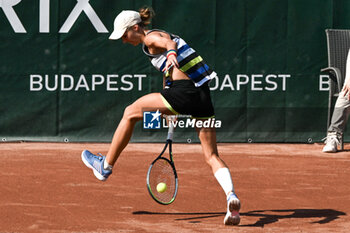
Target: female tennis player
x,y
186,92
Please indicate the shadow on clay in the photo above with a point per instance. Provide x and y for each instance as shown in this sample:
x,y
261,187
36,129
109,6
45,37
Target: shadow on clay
x,y
265,216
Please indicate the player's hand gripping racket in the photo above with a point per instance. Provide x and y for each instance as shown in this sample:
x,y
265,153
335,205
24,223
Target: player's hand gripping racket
x,y
162,180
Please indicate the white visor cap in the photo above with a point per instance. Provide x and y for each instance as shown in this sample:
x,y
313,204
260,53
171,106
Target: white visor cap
x,y
123,21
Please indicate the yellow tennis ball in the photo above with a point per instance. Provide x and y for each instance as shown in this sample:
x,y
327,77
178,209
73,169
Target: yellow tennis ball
x,y
161,187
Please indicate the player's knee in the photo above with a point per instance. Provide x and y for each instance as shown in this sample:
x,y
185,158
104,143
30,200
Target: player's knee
x,y
131,114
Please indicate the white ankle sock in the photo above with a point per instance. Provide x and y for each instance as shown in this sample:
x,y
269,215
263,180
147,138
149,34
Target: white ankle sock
x,y
106,166
223,176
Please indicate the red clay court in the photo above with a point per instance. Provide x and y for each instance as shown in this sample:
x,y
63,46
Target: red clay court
x,y
45,187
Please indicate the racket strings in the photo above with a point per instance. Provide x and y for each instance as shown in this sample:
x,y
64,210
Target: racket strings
x,y
162,171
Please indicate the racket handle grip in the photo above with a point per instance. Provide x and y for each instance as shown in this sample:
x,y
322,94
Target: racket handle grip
x,y
171,128
170,136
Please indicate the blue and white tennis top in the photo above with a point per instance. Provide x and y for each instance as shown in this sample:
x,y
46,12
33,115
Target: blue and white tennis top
x,y
189,61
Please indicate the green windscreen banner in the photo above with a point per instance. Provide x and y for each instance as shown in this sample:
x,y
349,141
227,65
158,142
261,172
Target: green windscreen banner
x,y
62,79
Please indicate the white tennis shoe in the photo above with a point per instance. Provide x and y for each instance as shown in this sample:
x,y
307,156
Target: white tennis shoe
x,y
233,206
332,141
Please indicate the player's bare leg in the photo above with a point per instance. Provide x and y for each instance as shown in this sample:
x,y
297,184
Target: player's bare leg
x,y
207,136
132,114
102,165
221,172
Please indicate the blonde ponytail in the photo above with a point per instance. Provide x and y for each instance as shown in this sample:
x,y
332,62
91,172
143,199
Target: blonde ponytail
x,y
146,14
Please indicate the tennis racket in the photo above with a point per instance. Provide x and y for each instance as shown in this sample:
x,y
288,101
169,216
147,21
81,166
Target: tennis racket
x,y
162,170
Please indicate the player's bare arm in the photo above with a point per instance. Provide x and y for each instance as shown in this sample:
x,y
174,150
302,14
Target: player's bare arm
x,y
159,42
